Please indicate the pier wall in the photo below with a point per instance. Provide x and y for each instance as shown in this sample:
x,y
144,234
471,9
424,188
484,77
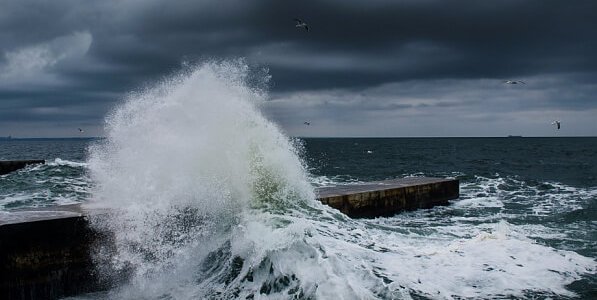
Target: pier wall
x,y
46,259
386,198
7,166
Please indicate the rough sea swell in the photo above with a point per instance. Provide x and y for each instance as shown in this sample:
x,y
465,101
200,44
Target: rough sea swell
x,y
211,200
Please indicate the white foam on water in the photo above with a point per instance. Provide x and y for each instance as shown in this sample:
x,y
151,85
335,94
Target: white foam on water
x,y
64,200
322,181
561,198
10,198
39,198
57,182
210,200
538,199
487,264
65,162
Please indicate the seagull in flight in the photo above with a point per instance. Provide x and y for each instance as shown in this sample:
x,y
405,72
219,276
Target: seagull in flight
x,y
301,24
80,130
557,123
514,82
307,123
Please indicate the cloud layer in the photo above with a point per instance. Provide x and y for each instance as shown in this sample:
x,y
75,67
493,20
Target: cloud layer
x,y
366,68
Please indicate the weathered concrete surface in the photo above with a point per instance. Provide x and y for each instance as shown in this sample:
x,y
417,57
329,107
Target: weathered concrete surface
x,y
386,198
46,255
7,166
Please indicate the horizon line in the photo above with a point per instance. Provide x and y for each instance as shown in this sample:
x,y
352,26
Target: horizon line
x,y
332,137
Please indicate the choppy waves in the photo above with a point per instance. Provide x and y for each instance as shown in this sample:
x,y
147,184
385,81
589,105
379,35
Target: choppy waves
x,y
493,243
57,182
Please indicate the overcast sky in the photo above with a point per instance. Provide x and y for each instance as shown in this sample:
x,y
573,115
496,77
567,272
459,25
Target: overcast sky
x,y
365,68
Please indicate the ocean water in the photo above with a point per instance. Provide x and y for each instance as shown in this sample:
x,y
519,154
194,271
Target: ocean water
x,y
62,180
210,200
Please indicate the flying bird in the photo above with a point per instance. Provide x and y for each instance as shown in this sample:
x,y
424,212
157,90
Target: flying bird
x,y
307,123
557,123
514,82
80,130
301,24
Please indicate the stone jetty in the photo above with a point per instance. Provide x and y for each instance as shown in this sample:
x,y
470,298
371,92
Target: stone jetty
x,y
386,198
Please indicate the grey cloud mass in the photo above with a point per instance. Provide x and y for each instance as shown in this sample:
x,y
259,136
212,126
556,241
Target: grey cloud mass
x,y
365,68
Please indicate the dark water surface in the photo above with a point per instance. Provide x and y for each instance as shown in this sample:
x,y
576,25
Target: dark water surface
x,y
49,149
62,180
570,161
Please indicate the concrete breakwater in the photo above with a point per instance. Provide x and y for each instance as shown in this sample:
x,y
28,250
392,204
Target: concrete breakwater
x,y
386,198
7,166
48,253
45,255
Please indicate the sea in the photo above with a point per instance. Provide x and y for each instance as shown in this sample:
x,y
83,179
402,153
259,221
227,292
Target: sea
x,y
211,200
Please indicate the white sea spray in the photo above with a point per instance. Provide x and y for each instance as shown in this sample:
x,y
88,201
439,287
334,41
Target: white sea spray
x,y
208,199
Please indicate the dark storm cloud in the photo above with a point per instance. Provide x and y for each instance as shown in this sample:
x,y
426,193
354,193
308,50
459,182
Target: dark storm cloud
x,y
353,46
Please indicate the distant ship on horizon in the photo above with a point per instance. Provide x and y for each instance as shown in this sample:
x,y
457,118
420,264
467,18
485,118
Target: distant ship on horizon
x,y
514,136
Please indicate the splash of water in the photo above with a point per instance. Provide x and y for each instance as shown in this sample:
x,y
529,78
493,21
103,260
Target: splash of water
x,y
187,161
208,199
196,134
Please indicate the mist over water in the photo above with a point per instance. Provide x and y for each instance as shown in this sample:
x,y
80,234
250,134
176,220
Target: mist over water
x,y
211,200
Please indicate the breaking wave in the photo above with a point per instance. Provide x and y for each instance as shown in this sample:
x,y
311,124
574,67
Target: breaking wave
x,y
208,199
